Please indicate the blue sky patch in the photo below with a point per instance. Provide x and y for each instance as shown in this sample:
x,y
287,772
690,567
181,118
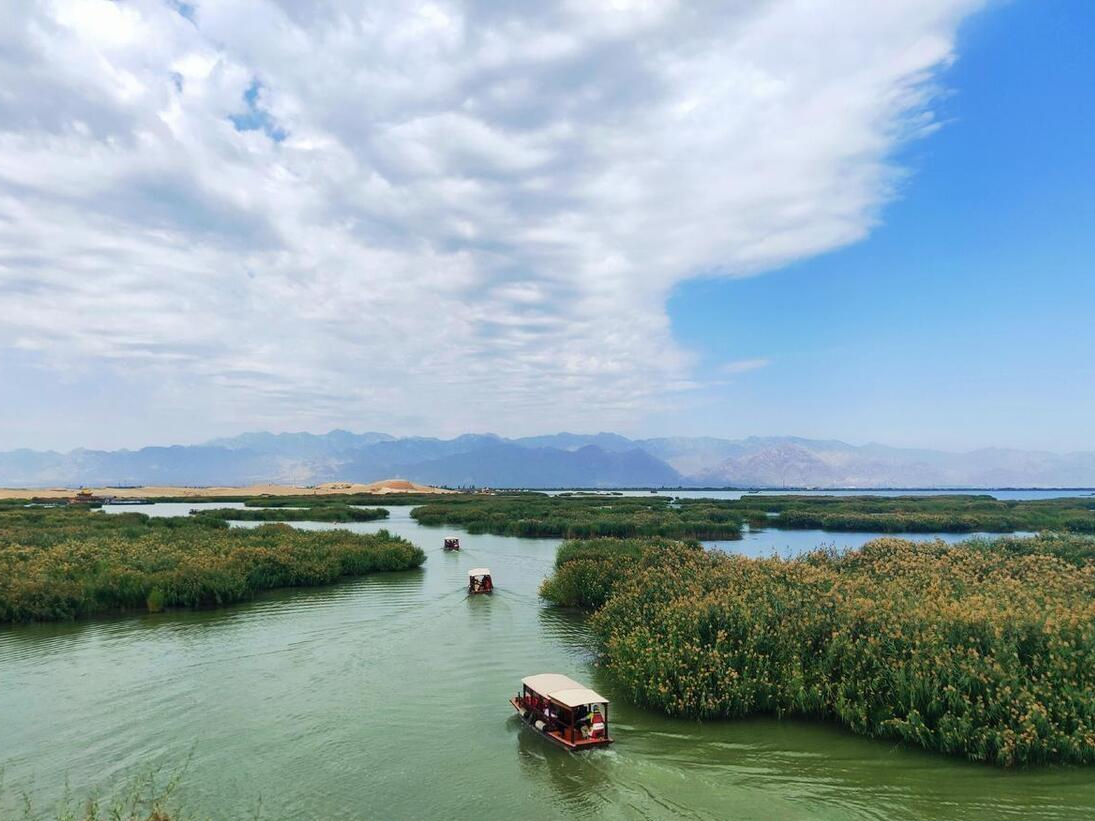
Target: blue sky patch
x,y
256,118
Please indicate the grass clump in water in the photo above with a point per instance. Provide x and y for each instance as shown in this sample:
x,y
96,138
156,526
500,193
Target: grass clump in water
x,y
323,513
582,517
984,650
945,513
58,564
341,499
587,571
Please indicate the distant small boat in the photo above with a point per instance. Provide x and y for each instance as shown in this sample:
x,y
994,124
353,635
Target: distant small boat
x,y
451,543
479,581
563,710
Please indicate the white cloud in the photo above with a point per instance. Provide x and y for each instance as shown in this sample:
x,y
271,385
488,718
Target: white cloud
x,y
476,211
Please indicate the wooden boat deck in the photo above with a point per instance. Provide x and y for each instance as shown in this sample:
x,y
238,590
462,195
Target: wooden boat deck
x,y
557,737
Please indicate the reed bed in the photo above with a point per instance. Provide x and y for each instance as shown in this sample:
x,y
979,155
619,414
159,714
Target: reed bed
x,y
577,517
580,516
58,564
948,513
588,570
340,499
984,650
323,513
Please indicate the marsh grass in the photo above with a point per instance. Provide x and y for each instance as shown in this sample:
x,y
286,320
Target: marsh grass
x,y
580,517
342,499
319,513
984,650
588,570
945,513
58,564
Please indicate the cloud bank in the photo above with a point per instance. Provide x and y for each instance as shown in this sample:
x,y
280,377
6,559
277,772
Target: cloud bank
x,y
442,216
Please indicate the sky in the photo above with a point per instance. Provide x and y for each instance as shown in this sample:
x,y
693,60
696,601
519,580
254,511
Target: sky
x,y
812,217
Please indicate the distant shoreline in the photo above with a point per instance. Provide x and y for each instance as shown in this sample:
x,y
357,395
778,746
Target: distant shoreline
x,y
811,489
403,486
385,487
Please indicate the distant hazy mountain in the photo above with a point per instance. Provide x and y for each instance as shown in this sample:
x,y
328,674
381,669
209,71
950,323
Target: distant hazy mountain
x,y
791,462
555,460
574,441
511,465
178,465
301,445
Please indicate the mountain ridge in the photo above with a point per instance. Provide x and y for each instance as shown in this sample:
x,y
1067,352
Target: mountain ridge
x,y
561,459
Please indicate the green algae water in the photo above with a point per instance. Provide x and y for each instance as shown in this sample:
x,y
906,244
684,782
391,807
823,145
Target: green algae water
x,y
386,698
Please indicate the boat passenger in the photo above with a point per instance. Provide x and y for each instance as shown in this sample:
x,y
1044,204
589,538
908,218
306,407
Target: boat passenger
x,y
597,727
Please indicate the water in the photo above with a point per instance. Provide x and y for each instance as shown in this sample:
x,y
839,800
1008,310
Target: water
x,y
385,698
1070,493
793,542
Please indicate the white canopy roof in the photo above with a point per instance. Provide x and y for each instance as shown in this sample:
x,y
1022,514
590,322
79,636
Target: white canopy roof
x,y
479,571
562,689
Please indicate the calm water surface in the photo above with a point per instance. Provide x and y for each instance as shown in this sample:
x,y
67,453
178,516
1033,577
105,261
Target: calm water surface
x,y
385,698
737,494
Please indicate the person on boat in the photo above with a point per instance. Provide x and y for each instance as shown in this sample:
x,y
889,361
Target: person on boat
x,y
487,584
597,727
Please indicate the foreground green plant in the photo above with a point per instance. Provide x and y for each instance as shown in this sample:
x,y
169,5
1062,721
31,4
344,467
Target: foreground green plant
x,y
984,650
62,564
142,799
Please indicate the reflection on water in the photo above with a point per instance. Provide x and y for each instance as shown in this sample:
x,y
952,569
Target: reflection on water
x,y
567,628
580,785
386,698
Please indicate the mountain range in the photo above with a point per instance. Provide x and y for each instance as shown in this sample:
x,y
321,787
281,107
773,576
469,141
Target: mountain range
x,y
600,460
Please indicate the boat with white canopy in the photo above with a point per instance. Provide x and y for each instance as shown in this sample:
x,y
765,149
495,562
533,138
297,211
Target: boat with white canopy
x,y
565,711
479,581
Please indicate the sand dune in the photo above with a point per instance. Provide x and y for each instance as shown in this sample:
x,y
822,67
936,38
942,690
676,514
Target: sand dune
x,y
385,486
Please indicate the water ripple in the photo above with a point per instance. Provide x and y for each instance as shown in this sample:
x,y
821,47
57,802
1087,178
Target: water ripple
x,y
386,697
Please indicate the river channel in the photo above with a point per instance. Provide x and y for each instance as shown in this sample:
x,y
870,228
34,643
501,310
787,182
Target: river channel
x,y
386,698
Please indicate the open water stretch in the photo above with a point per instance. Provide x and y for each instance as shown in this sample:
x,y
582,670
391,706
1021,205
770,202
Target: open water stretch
x,y
385,698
